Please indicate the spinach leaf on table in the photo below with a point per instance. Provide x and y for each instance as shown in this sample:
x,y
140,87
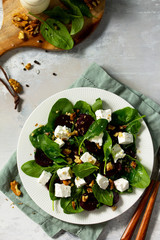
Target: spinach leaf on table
x,y
137,177
84,169
59,14
49,147
84,107
97,105
103,196
83,7
62,106
77,23
66,203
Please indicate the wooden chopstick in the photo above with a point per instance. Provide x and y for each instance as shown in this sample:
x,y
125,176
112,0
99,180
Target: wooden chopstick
x,y
134,220
145,221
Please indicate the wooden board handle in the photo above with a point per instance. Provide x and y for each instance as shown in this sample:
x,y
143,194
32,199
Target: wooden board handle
x,y
134,220
145,221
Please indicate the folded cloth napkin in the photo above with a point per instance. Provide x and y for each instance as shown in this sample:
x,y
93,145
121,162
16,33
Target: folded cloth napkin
x,y
96,77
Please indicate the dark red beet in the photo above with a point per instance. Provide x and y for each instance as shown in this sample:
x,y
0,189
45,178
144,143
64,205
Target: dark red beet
x,y
117,168
90,204
115,197
89,178
63,120
42,159
92,147
83,122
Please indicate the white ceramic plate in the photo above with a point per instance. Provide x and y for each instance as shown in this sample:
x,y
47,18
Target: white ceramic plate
x,y
40,194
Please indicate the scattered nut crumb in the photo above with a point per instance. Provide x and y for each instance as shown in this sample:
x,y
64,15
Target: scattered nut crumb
x,y
114,208
15,85
14,188
22,35
28,66
36,124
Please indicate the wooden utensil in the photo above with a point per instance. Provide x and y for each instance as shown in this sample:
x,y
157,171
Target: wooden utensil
x,y
153,187
9,33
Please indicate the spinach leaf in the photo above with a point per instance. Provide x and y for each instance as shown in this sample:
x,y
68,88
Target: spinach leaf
x,y
77,23
84,107
107,148
124,116
134,127
66,203
83,7
137,177
32,169
49,147
84,169
103,196
38,131
59,14
97,105
52,188
95,129
62,106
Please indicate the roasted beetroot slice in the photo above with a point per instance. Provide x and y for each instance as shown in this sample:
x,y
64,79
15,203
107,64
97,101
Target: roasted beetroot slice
x,y
83,122
92,147
115,197
63,120
90,204
89,178
42,159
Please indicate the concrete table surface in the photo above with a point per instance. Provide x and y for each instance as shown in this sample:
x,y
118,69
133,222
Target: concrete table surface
x,y
126,44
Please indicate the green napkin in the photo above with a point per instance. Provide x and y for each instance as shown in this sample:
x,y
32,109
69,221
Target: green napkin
x,y
96,77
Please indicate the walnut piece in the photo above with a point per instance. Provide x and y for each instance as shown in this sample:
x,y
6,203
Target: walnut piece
x,y
14,188
20,20
15,85
21,35
28,66
33,27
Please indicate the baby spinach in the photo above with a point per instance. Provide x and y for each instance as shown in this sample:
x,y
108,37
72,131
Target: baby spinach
x,y
49,147
107,148
52,187
38,131
66,203
103,196
59,14
62,106
97,105
95,129
32,169
77,23
133,127
84,107
138,177
84,169
83,7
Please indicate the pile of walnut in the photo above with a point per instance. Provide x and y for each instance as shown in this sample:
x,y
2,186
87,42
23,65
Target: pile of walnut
x,y
22,21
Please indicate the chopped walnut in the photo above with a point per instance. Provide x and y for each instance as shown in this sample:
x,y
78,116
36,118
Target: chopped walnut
x,y
14,188
15,85
77,159
22,35
73,204
28,66
69,160
74,133
66,151
133,164
66,182
72,116
33,27
89,190
99,147
123,127
111,184
84,198
92,183
20,20
109,166
114,208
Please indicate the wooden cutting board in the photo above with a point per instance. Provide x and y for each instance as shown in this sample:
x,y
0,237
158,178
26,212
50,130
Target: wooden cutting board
x,y
9,32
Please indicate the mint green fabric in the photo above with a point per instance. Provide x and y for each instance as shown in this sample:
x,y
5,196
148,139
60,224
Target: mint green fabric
x,y
96,77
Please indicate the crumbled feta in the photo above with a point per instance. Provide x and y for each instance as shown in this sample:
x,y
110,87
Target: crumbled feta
x,y
62,132
87,157
121,184
103,114
60,142
102,181
79,182
63,173
44,177
125,138
117,152
98,139
62,190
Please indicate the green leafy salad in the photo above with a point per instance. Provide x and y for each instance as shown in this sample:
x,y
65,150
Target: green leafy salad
x,y
86,155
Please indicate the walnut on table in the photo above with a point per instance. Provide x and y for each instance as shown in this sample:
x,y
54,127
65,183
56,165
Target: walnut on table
x,y
14,188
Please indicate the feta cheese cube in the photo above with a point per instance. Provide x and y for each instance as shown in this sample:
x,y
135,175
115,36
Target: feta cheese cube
x,y
79,182
44,177
125,138
63,173
87,157
121,184
98,139
103,114
62,190
60,142
102,181
117,152
62,132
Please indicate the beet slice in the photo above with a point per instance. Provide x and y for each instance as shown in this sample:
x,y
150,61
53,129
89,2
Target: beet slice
x,y
42,159
92,147
91,202
83,122
89,178
115,198
63,120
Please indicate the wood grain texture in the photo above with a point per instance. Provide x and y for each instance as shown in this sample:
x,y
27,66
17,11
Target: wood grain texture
x,y
9,33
